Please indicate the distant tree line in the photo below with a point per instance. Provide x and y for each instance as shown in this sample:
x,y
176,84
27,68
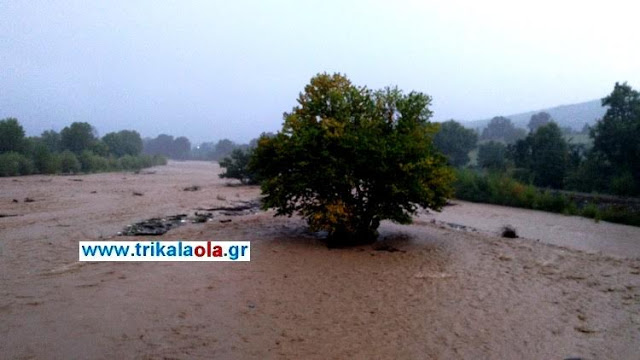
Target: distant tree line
x,y
546,156
77,148
545,168
165,145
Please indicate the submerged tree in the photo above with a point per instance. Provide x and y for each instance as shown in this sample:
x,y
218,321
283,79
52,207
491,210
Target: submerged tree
x,y
348,157
236,166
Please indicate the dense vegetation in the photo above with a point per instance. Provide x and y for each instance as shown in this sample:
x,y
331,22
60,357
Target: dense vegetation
x,y
237,166
348,157
75,149
543,169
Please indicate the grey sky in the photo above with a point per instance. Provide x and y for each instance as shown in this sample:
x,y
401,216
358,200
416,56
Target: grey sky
x,y
229,69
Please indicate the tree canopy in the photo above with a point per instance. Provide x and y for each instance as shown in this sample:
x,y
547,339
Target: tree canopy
x,y
616,136
455,141
501,128
348,157
237,166
492,155
178,148
538,120
11,135
77,137
124,142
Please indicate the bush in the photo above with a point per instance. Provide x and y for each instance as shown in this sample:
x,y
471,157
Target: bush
x,y
624,184
548,201
620,215
44,161
492,155
129,162
14,164
91,162
237,167
590,211
471,186
69,163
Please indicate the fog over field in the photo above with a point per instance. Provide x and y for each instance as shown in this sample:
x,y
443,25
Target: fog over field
x,y
213,70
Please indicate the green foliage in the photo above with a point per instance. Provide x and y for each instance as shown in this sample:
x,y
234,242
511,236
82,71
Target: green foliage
x,y
77,137
44,161
69,163
40,155
11,136
125,142
237,167
348,158
492,155
501,128
538,120
544,154
616,136
14,164
623,183
52,140
455,141
166,145
549,156
500,189
90,162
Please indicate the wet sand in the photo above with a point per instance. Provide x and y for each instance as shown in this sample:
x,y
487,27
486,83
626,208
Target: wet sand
x,y
447,293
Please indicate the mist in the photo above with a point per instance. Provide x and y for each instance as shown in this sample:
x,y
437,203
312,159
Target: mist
x,y
215,70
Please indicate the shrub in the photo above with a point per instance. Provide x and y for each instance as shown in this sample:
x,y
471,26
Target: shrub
x,y
237,167
91,162
548,201
129,162
14,164
69,163
44,161
492,155
590,211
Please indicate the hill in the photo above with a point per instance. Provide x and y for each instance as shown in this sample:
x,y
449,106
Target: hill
x,y
574,115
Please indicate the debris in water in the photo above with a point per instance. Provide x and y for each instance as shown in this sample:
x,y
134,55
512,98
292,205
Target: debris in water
x,y
509,231
159,226
202,217
239,208
135,193
154,226
8,215
28,199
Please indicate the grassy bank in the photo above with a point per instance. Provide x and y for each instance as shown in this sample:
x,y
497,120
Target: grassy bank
x,y
502,190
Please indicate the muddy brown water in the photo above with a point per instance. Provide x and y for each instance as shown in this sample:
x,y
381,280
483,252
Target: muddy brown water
x,y
449,293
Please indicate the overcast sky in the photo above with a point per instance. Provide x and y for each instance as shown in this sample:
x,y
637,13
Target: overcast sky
x,y
229,69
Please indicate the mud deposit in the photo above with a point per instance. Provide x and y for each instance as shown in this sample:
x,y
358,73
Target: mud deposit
x,y
426,291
